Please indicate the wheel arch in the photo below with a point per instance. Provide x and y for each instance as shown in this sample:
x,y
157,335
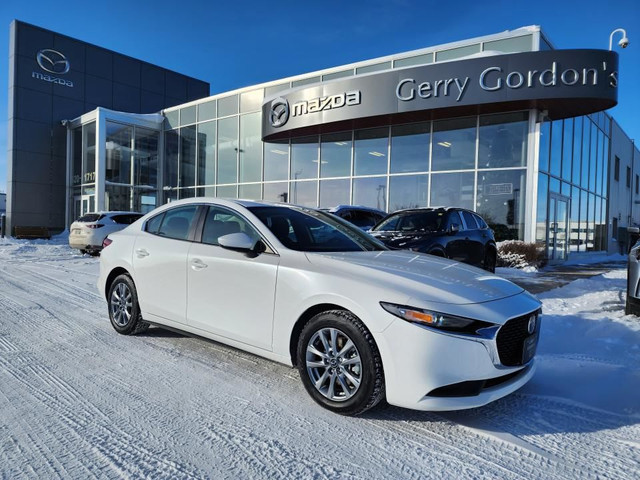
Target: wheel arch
x,y
112,276
307,315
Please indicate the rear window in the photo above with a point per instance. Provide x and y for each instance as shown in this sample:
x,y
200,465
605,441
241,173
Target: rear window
x,y
469,220
126,219
480,221
91,217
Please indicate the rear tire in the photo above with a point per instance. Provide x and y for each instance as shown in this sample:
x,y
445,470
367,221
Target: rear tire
x,y
124,310
339,363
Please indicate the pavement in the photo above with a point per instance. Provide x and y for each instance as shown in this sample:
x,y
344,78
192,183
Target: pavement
x,y
555,276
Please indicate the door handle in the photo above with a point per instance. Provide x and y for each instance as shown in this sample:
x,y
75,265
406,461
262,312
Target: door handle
x,y
141,253
197,264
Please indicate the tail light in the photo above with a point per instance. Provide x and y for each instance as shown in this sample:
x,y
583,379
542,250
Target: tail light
x,y
95,225
106,242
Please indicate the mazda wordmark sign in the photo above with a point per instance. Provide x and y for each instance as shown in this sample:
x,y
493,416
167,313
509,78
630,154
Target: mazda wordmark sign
x,y
565,83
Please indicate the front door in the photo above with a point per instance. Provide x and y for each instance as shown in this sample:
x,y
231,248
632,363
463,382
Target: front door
x,y
557,228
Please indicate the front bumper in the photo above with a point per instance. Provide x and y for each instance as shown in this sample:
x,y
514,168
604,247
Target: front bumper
x,y
428,370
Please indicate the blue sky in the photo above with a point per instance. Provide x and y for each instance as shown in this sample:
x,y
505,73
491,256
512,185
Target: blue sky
x,y
235,44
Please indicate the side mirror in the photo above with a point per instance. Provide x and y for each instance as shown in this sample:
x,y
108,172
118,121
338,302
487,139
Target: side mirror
x,y
453,229
237,241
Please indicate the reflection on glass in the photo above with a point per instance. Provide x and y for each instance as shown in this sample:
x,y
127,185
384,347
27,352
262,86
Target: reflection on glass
x,y
416,60
593,158
335,155
591,211
410,148
304,157
188,115
586,152
77,157
501,202
188,156
304,193
370,192
545,143
228,150
556,148
207,153
371,147
408,192
567,149
577,150
541,213
146,159
333,193
575,240
250,148
454,144
276,160
252,191
89,153
117,198
227,191
276,192
510,45
503,140
228,106
118,153
452,190
250,101
144,200
207,110
171,158
458,52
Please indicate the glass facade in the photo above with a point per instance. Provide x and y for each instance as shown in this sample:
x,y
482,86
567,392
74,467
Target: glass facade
x,y
573,165
476,162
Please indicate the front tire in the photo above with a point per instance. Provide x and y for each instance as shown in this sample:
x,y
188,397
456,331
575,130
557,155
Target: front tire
x,y
124,310
489,263
339,363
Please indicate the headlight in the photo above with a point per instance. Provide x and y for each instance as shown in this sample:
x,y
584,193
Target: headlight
x,y
437,320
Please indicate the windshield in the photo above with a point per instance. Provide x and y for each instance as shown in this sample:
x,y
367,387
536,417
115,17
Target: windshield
x,y
308,230
423,221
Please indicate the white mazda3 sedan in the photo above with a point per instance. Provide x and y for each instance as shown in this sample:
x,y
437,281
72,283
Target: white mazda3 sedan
x,y
304,288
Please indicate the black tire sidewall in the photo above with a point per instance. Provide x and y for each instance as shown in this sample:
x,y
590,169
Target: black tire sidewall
x,y
135,309
342,321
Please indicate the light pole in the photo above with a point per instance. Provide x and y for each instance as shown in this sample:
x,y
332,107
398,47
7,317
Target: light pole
x,y
624,41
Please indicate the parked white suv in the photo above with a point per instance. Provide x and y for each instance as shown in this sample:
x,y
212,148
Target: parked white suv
x,y
88,232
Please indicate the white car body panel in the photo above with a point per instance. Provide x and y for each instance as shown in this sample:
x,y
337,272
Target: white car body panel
x,y
256,310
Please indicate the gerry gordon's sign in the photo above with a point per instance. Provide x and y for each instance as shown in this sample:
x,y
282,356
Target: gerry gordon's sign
x,y
566,83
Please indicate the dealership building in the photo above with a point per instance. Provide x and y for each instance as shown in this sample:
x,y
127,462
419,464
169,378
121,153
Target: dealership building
x,y
504,124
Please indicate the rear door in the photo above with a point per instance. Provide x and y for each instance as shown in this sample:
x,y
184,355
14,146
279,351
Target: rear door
x,y
160,262
473,239
455,243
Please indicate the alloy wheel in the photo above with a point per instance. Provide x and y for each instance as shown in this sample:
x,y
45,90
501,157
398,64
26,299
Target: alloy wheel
x,y
121,304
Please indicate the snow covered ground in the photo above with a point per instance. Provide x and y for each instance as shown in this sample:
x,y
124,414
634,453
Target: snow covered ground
x,y
79,401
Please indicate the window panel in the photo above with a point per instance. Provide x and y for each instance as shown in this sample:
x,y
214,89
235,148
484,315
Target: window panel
x,y
408,192
276,160
576,241
503,140
89,153
545,145
510,45
304,193
118,153
188,115
454,144
228,106
334,192
207,153
501,202
593,159
556,148
304,157
146,159
171,158
370,192
410,148
335,75
458,52
371,147
452,190
251,147
228,150
188,156
251,101
276,192
541,212
411,61
335,155
373,68
227,191
251,191
207,110
577,150
567,149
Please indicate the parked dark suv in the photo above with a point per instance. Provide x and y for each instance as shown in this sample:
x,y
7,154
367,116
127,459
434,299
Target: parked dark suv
x,y
453,233
362,217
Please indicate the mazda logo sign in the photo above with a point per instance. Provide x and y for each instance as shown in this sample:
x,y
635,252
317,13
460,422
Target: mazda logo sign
x,y
53,61
531,325
279,113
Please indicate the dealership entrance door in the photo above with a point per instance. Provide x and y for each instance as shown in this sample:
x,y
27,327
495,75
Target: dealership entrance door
x,y
557,228
83,204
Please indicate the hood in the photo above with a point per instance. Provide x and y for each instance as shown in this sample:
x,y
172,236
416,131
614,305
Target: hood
x,y
422,277
405,239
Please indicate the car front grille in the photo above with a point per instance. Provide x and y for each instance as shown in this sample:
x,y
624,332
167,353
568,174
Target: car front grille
x,y
511,337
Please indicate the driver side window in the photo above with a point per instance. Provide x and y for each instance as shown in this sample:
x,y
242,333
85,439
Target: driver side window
x,y
220,221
